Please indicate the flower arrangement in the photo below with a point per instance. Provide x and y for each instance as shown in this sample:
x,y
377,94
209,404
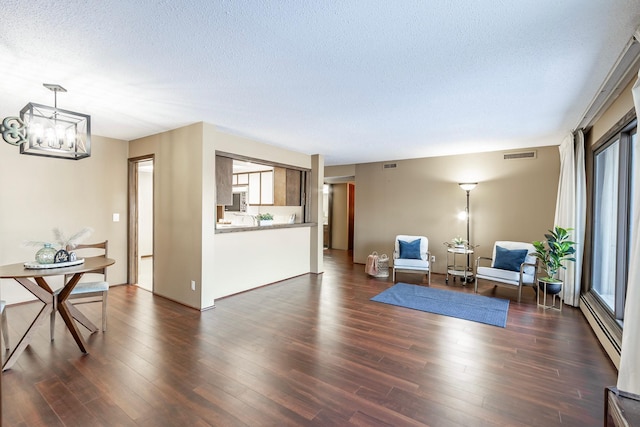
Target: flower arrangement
x,y
61,239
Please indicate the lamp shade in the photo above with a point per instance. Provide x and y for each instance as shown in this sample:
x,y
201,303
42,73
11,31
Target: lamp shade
x,y
468,186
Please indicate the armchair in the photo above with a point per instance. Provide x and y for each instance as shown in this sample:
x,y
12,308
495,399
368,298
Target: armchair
x,y
512,264
410,255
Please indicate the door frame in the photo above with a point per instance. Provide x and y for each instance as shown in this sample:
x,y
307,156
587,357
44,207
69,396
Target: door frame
x,y
132,217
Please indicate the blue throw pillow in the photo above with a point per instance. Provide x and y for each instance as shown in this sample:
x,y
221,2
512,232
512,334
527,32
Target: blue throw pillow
x,y
410,250
509,259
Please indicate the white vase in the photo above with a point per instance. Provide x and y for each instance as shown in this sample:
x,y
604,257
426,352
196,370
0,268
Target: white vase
x,y
266,222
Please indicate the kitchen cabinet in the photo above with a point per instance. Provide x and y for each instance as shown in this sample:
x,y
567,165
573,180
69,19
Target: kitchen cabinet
x,y
224,176
266,188
254,188
240,179
261,188
294,183
286,185
279,186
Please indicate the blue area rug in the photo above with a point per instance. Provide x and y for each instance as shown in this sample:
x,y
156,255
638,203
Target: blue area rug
x,y
492,311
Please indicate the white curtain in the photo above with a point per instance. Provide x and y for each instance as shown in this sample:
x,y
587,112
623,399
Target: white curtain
x,y
571,210
629,372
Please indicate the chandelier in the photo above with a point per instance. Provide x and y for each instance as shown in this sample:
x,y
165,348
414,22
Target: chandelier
x,y
49,131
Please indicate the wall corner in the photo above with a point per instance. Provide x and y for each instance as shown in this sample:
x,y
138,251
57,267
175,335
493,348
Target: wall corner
x,y
317,181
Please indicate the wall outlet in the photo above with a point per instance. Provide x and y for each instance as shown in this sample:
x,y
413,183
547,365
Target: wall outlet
x,y
193,285
433,258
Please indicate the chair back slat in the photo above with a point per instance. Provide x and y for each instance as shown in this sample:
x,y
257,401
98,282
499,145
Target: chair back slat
x,y
102,247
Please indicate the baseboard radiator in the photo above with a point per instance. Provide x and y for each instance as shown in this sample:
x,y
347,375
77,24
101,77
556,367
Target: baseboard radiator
x,y
608,332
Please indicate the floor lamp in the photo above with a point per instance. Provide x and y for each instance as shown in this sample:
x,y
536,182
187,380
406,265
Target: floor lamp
x,y
467,186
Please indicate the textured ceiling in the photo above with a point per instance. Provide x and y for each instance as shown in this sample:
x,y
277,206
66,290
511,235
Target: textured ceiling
x,y
356,81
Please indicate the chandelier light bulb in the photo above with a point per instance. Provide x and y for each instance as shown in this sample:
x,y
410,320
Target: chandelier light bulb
x,y
60,136
36,133
50,138
70,137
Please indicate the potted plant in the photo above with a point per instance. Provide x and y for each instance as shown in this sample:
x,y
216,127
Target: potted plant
x,y
265,218
552,253
459,242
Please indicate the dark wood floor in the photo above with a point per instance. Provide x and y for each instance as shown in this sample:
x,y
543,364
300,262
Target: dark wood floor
x,y
312,350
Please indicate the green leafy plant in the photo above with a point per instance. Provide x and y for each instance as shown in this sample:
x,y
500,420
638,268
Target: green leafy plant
x,y
557,249
264,216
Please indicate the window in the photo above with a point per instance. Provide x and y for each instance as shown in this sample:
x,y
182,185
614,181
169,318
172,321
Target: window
x,y
605,219
615,175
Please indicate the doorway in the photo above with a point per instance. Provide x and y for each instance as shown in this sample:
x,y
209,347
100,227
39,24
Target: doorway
x,y
339,205
141,222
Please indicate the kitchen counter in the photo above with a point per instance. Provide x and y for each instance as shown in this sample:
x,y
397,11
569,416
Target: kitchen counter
x,y
232,228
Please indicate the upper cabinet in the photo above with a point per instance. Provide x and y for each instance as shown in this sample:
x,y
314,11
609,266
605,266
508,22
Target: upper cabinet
x,y
224,176
261,188
266,188
279,186
271,185
287,186
294,187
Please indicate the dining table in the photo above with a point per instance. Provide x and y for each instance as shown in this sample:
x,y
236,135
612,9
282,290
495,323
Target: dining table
x,y
34,279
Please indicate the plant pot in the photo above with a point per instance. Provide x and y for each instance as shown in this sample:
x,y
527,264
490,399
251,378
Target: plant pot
x,y
553,286
264,222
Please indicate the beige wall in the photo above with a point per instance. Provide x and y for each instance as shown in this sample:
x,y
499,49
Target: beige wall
x,y
177,210
244,260
615,112
339,217
40,193
341,171
514,200
186,246
145,213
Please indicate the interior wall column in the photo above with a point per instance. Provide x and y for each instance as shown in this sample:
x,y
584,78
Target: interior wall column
x,y
317,232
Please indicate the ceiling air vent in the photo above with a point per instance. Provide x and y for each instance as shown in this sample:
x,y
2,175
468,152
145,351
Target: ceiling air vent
x,y
389,166
521,155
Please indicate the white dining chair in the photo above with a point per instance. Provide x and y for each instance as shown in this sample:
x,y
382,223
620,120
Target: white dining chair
x,y
5,326
87,292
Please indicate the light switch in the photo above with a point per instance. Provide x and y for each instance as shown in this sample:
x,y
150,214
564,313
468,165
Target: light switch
x,y
116,217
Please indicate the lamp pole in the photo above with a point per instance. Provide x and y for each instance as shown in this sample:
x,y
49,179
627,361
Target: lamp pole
x,y
467,212
468,186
